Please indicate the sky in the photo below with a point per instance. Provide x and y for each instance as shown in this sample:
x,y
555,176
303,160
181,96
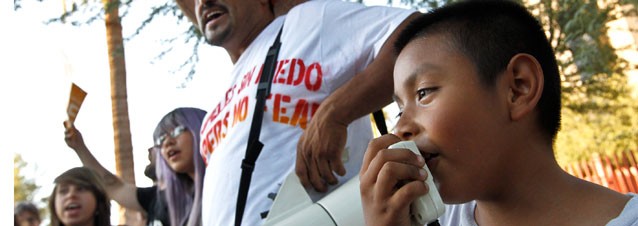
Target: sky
x,y
41,61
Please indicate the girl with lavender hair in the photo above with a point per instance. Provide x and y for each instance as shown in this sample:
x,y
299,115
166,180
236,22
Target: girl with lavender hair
x,y
180,167
176,198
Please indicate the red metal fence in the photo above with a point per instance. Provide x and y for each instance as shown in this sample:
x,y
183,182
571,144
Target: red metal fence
x,y
618,172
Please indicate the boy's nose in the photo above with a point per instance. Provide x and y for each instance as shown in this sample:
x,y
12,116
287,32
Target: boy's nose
x,y
405,128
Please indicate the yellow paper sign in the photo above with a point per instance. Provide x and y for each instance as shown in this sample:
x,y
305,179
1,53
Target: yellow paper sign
x,y
75,102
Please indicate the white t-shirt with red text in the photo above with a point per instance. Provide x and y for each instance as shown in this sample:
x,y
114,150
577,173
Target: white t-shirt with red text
x,y
324,44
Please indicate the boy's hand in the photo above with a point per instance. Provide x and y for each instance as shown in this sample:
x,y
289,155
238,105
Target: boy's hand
x,y
73,137
390,181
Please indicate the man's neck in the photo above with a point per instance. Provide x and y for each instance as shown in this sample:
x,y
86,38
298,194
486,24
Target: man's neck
x,y
236,49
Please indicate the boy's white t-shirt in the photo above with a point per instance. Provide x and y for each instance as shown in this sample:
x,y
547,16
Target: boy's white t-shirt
x,y
463,214
629,214
324,44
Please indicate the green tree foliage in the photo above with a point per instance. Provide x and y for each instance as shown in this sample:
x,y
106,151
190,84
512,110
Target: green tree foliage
x,y
23,188
599,115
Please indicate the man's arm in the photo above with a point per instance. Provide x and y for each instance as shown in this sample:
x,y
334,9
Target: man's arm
x,y
123,193
320,146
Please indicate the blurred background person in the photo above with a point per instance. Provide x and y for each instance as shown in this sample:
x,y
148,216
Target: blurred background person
x,y
149,171
26,214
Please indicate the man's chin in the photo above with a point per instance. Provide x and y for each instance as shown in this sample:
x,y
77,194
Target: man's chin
x,y
215,42
216,38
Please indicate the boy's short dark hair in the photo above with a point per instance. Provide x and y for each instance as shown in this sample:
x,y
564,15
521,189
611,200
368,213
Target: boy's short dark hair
x,y
490,33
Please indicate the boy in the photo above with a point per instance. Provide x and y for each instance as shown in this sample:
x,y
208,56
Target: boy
x,y
479,91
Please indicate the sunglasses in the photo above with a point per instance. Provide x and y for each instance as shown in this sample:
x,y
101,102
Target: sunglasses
x,y
173,134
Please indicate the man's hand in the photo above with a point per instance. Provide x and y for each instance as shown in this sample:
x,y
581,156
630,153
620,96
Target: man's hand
x,y
319,152
73,137
390,181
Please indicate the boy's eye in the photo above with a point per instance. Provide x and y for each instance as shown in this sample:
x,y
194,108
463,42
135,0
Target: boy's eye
x,y
422,93
399,115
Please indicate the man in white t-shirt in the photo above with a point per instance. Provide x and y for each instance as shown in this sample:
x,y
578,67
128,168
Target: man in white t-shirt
x,y
334,67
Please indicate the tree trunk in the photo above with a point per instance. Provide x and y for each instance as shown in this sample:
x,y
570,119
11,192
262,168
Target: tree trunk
x,y
121,128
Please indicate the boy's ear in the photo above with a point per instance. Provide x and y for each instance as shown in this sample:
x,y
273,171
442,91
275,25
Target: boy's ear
x,y
525,85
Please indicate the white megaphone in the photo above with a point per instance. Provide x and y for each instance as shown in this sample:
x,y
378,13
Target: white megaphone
x,y
342,207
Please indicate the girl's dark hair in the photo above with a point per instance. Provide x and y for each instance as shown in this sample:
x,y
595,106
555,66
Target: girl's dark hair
x,y
86,178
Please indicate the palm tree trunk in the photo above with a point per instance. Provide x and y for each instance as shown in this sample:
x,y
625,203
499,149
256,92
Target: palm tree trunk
x,y
121,128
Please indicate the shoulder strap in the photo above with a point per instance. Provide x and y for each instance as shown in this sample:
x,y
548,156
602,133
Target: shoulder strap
x,y
253,149
379,120
254,145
